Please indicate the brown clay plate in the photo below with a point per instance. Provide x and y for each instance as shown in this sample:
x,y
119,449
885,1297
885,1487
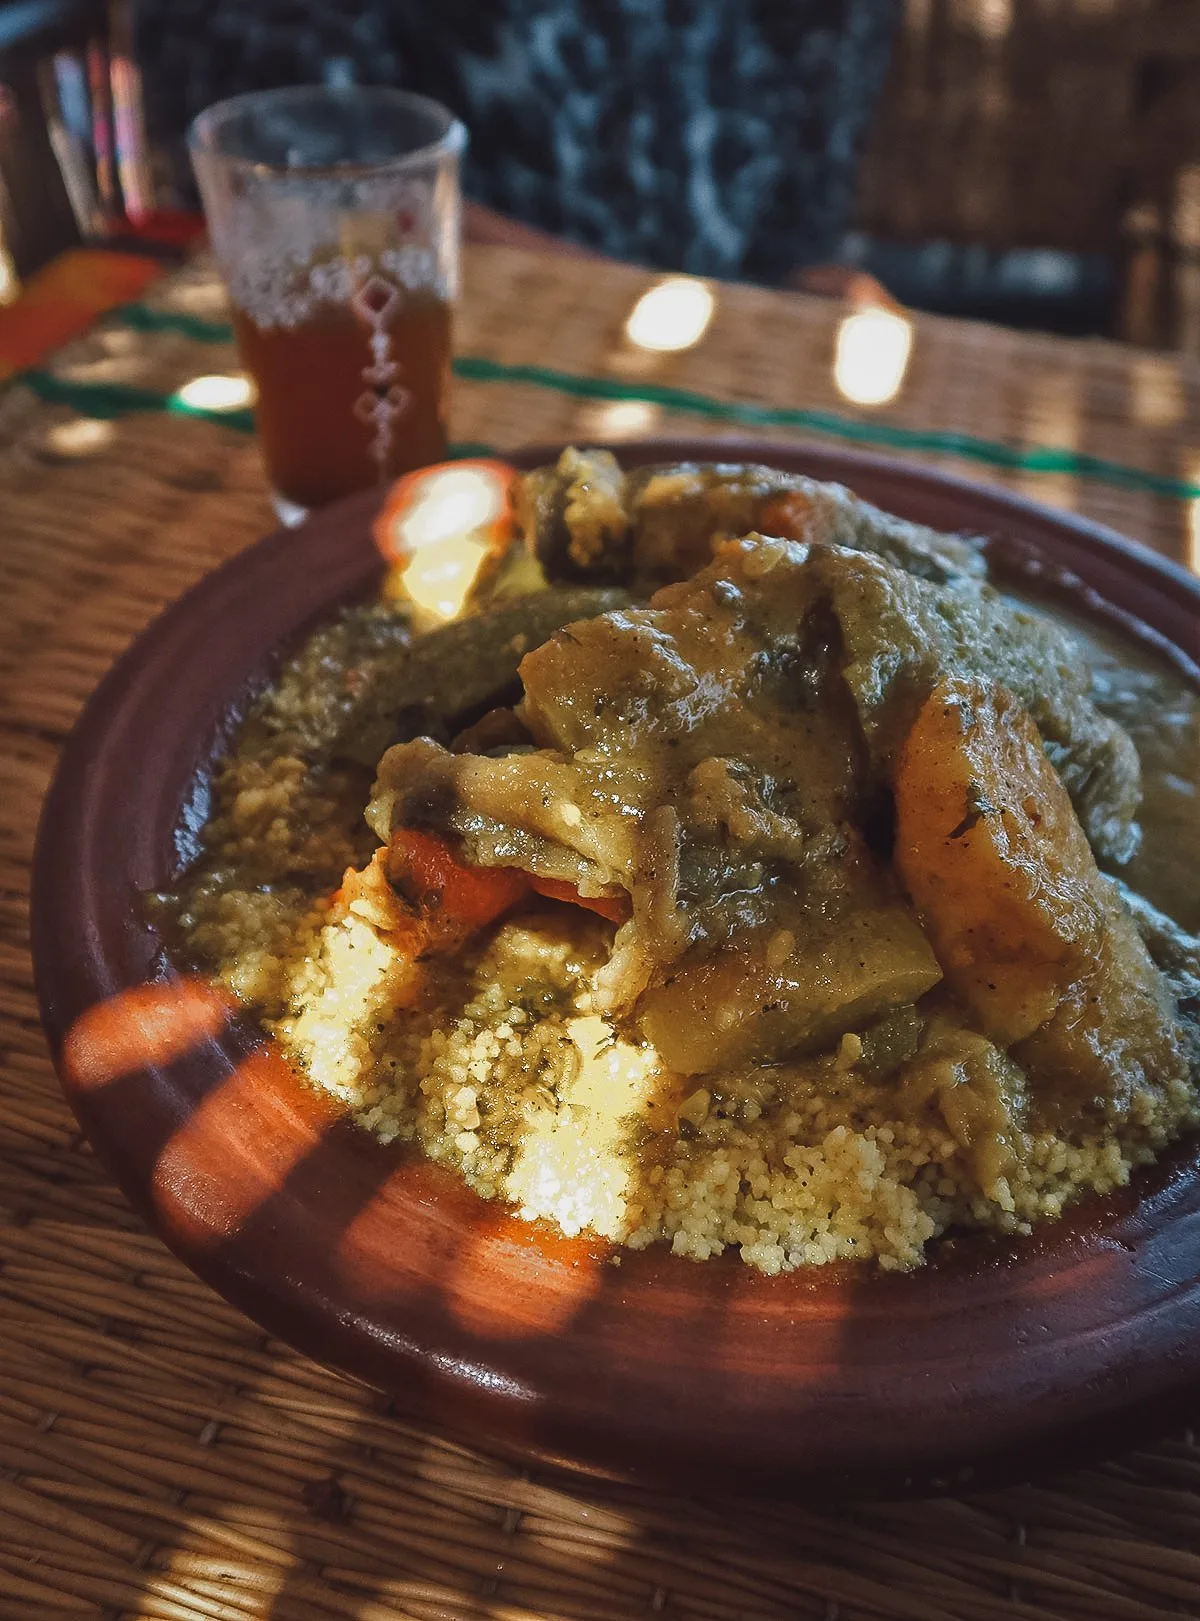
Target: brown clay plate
x,y
992,1356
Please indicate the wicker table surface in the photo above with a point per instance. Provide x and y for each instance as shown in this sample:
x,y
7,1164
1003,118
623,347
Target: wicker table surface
x,y
161,1457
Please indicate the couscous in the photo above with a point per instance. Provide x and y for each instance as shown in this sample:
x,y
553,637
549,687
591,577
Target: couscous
x,y
735,888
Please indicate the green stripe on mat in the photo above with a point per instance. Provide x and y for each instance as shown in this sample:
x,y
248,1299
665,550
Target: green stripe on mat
x,y
1033,459
143,319
116,399
110,400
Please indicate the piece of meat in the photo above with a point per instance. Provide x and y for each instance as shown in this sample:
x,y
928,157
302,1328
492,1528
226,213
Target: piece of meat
x,y
1116,1035
1175,951
900,635
718,757
498,732
682,515
585,518
899,627
702,756
979,1091
573,516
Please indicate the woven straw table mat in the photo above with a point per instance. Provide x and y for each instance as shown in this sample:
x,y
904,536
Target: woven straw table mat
x,y
161,1457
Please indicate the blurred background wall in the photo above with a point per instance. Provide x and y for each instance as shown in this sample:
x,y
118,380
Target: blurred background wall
x,y
1066,128
1035,162
715,136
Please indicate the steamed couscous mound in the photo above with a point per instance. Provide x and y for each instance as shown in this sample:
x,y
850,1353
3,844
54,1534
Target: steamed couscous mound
x,y
664,952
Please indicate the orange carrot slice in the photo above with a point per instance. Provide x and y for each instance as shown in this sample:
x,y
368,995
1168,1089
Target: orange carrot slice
x,y
452,899
788,515
431,894
614,907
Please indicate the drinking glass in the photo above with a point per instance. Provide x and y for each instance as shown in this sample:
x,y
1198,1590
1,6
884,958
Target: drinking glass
x,y
334,214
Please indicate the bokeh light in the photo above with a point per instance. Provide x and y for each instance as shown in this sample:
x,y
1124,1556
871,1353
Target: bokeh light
x,y
871,355
83,436
10,282
217,392
440,576
618,419
447,504
1192,537
673,314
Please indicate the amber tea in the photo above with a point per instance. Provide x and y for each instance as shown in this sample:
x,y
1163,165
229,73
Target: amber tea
x,y
335,216
354,395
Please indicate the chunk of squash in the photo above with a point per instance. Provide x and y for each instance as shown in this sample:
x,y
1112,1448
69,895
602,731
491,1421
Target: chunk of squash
x,y
990,849
741,1006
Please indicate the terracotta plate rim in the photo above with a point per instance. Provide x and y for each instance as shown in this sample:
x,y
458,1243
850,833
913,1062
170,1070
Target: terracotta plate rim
x,y
992,1357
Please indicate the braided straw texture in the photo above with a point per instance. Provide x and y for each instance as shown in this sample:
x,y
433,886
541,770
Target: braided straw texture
x,y
160,1457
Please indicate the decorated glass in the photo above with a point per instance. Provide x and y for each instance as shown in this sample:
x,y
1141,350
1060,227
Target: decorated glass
x,y
334,214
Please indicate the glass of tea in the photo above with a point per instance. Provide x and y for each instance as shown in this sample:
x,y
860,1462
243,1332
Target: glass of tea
x,y
334,214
